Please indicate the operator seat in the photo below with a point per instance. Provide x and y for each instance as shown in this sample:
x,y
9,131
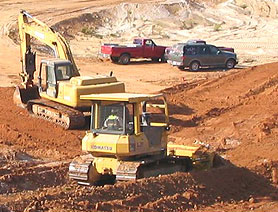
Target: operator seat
x,y
59,74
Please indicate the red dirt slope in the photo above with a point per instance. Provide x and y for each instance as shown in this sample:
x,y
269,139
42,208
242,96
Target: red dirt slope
x,y
34,136
235,114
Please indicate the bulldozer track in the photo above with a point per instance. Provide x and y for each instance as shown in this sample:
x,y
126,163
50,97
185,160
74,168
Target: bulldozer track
x,y
127,170
132,170
67,117
79,169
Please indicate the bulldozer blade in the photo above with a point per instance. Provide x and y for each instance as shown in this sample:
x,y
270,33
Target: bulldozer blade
x,y
23,95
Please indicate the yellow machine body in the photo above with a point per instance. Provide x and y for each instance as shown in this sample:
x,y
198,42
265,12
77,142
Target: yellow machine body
x,y
126,144
120,145
69,91
139,148
56,95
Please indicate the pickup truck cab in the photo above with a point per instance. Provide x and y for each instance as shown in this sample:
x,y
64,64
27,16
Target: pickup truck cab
x,y
197,55
141,48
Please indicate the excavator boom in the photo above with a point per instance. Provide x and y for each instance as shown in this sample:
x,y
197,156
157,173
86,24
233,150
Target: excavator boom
x,y
56,95
30,26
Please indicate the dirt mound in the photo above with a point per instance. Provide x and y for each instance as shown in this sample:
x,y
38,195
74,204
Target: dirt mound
x,y
132,19
265,8
4,209
236,114
180,191
35,137
86,23
24,176
21,172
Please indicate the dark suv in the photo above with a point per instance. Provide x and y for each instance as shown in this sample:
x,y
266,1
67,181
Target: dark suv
x,y
196,55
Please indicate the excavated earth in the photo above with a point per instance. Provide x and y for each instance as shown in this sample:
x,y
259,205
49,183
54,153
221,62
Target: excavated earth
x,y
236,114
233,112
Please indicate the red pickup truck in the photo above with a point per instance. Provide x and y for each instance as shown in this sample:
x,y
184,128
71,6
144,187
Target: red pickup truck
x,y
141,48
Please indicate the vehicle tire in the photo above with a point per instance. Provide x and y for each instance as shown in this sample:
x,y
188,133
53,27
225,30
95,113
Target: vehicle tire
x,y
230,64
155,59
163,59
181,68
114,59
194,66
124,59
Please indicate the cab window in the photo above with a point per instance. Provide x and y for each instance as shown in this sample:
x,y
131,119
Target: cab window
x,y
149,43
50,76
203,50
115,119
63,72
152,113
213,50
137,42
190,50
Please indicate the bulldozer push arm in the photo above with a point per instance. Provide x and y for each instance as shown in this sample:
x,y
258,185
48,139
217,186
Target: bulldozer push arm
x,y
28,27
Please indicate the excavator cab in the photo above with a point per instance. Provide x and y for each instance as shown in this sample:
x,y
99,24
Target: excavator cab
x,y
52,71
29,27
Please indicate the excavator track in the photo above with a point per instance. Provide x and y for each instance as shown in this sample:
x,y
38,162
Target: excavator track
x,y
67,117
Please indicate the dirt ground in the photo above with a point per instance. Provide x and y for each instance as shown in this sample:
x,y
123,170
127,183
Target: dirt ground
x,y
234,111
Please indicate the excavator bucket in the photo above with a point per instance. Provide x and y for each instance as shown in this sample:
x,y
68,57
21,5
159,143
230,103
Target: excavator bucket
x,y
23,95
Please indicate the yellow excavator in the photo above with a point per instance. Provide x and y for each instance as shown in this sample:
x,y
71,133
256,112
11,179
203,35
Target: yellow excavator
x,y
128,141
56,96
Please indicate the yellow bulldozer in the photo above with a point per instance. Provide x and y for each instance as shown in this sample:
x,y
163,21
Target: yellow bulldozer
x,y
56,95
128,141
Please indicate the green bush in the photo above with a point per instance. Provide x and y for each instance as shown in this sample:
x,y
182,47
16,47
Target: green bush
x,y
90,31
188,24
217,27
243,6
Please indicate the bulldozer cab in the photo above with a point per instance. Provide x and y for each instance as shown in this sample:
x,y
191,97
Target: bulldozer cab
x,y
112,117
137,116
51,73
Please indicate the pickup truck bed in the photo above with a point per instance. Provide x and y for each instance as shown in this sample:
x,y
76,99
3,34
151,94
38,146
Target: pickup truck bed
x,y
141,48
